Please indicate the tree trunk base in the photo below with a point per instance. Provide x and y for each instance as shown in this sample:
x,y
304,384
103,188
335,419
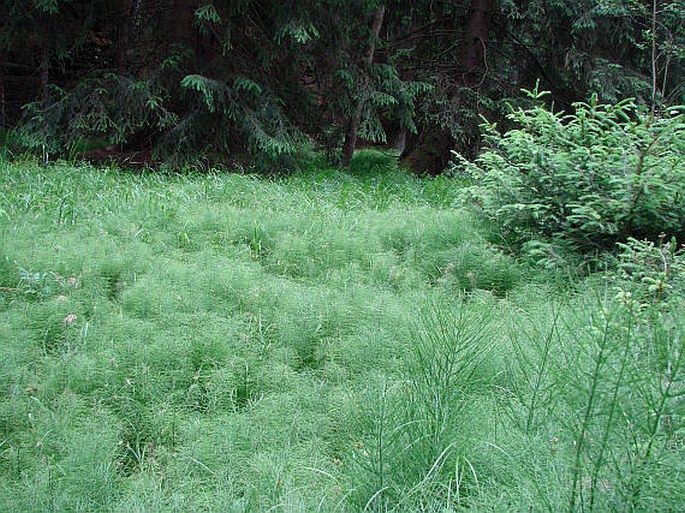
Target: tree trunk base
x,y
431,155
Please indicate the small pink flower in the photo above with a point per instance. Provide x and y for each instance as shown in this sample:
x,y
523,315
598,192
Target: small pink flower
x,y
70,319
73,282
61,299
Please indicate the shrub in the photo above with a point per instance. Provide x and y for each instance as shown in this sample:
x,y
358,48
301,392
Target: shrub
x,y
587,179
652,272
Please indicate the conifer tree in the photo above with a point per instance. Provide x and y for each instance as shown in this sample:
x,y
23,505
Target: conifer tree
x,y
184,78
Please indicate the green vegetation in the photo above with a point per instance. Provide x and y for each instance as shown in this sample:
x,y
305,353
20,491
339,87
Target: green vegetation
x,y
211,78
324,341
338,334
585,180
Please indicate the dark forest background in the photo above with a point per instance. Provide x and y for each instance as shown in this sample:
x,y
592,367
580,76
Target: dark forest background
x,y
178,80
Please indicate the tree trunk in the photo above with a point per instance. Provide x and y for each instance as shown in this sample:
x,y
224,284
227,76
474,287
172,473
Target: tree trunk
x,y
351,136
44,74
472,59
2,98
353,125
432,154
186,32
128,14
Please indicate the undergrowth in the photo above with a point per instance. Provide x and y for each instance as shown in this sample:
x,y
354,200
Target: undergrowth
x,y
320,342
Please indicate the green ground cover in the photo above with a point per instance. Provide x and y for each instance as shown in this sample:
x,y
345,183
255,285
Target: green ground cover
x,y
321,342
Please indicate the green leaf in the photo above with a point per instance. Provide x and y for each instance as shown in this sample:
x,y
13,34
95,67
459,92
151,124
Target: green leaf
x,y
245,84
301,33
199,83
207,13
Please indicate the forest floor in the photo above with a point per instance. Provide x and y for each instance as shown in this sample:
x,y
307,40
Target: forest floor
x,y
324,341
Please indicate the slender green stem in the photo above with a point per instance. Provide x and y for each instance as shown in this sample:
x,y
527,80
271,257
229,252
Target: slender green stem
x,y
589,410
612,408
653,428
542,369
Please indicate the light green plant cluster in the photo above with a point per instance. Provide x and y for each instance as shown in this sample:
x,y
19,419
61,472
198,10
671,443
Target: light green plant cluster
x,y
322,342
584,180
654,272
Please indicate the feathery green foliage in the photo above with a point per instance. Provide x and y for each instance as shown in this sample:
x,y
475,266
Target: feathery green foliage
x,y
585,180
319,342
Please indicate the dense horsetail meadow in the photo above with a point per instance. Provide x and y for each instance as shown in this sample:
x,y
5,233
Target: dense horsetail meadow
x,y
342,256
322,341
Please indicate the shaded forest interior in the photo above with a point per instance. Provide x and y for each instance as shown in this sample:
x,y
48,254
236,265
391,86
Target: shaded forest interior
x,y
177,80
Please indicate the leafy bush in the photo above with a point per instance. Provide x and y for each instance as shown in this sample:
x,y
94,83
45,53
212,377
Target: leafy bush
x,y
587,179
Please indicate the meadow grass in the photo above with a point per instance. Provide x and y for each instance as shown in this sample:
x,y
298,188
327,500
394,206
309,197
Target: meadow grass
x,y
322,341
